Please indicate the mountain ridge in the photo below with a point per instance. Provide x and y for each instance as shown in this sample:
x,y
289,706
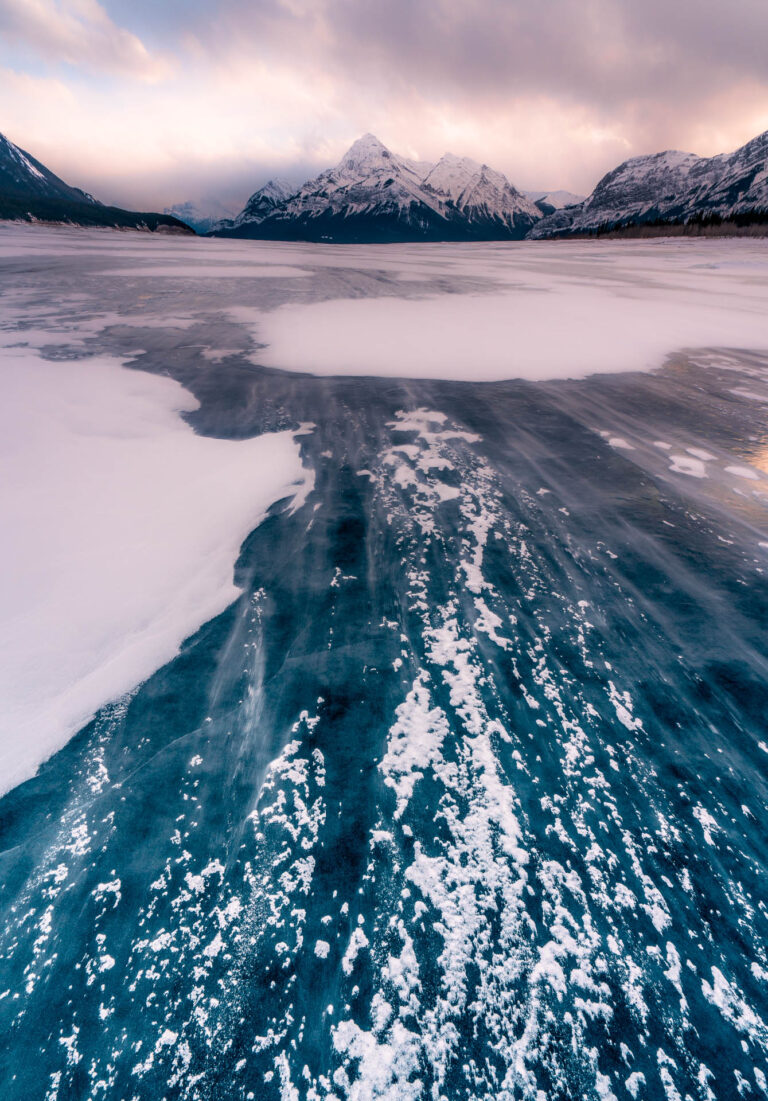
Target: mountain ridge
x,y
671,189
373,194
31,192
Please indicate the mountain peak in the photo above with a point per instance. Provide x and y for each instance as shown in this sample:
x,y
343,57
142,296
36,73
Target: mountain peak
x,y
368,141
464,162
468,184
366,151
277,188
265,200
374,194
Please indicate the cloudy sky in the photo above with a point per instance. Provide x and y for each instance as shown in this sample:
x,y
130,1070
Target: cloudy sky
x,y
146,102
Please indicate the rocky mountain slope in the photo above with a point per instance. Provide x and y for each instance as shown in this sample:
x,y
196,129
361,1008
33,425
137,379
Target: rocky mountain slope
x,y
672,188
30,192
374,195
485,198
264,201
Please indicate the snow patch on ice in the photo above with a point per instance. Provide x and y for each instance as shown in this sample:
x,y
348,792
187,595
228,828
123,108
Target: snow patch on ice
x,y
548,316
687,464
120,528
743,472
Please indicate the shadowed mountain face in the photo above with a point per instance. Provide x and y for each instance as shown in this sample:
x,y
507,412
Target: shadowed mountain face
x,y
31,192
465,797
21,174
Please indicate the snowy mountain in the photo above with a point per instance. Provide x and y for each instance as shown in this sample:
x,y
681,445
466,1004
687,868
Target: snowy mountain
x,y
636,188
370,194
31,192
731,183
202,215
21,174
485,198
374,195
672,187
550,201
263,202
207,215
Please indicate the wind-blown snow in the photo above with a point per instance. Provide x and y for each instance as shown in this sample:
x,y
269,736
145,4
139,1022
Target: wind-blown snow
x,y
212,271
119,531
555,311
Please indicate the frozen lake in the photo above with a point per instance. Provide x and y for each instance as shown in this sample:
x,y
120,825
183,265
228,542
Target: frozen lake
x,y
383,669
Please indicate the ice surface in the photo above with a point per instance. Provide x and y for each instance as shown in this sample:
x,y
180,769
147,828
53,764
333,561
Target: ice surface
x,y
120,528
466,798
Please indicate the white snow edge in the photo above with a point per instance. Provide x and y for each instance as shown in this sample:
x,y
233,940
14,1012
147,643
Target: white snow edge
x,y
119,530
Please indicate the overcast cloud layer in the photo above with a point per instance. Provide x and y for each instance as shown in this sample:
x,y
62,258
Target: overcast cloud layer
x,y
145,104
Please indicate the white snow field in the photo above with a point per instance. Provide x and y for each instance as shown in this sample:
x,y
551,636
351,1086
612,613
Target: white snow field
x,y
558,310
118,535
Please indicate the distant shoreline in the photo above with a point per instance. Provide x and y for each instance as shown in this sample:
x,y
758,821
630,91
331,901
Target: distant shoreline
x,y
726,228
